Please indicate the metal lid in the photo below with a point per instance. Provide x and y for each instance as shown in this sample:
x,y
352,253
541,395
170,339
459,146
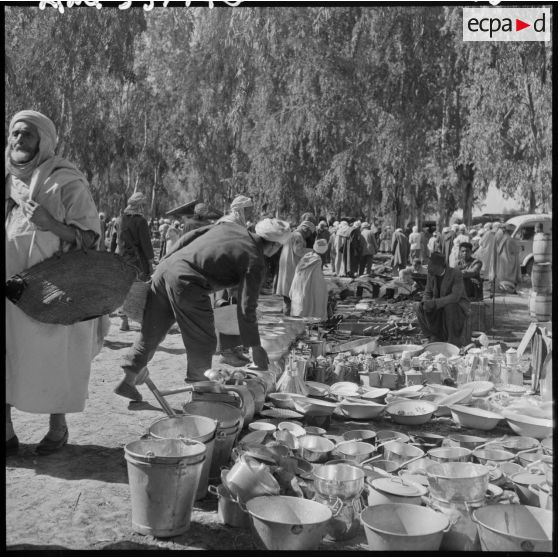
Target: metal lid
x,y
397,487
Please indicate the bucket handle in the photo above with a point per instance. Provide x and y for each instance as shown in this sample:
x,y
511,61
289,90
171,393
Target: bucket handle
x,y
212,489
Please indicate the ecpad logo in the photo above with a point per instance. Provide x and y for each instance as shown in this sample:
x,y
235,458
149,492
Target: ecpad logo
x,y
506,24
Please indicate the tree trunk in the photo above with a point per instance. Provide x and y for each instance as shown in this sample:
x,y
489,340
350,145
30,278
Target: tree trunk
x,y
465,176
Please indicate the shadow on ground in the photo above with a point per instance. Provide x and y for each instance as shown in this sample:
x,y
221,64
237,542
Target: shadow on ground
x,y
74,462
116,345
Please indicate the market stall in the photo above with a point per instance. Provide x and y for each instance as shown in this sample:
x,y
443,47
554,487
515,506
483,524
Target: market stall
x,y
361,431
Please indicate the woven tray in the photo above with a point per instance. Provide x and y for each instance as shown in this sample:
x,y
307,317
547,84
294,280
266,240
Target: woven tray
x,y
72,287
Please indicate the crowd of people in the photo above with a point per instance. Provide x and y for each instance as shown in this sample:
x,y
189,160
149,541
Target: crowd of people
x,y
202,265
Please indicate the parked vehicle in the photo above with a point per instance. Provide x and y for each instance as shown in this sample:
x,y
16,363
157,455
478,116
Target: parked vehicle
x,y
524,233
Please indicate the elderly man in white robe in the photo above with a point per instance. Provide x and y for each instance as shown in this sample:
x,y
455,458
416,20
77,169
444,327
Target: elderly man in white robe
x,y
48,207
291,254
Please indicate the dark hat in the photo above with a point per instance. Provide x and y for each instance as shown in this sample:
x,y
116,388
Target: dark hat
x,y
437,258
466,245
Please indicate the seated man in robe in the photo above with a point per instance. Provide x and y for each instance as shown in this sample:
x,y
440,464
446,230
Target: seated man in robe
x,y
470,269
444,309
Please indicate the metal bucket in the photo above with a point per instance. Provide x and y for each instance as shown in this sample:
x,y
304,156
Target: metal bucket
x,y
200,429
514,528
163,477
288,523
403,527
229,424
458,482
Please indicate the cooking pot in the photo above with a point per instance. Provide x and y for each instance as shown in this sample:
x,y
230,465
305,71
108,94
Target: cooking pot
x,y
443,455
338,480
394,491
459,482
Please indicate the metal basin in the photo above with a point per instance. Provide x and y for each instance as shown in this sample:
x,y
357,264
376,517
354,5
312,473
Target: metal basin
x,y
288,523
339,480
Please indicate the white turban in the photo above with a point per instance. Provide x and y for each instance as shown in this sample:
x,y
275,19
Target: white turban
x,y
320,246
273,230
135,202
47,142
455,227
357,224
365,225
415,228
241,202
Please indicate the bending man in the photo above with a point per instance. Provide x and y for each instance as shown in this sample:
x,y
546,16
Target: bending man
x,y
205,260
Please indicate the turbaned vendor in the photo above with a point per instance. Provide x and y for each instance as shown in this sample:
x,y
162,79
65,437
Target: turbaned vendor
x,y
443,312
203,261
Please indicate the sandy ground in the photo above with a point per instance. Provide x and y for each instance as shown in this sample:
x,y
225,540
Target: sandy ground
x,y
79,498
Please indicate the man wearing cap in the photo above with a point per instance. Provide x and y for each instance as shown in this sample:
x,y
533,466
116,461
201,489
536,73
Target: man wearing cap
x,y
369,248
230,346
470,269
48,208
442,314
206,260
308,292
291,253
134,241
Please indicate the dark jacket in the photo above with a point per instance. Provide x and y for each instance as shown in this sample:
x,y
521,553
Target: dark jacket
x,y
451,290
134,242
222,256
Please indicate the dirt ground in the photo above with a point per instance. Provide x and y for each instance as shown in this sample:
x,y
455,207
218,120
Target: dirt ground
x,y
79,498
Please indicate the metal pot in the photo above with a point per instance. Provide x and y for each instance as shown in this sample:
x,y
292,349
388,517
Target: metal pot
x,y
464,441
443,455
339,480
400,452
394,491
485,456
458,482
355,451
315,448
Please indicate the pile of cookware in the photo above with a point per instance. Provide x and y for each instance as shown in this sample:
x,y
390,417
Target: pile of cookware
x,y
295,484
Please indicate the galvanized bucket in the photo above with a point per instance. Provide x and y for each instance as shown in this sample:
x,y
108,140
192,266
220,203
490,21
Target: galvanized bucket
x,y
163,477
229,423
200,429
